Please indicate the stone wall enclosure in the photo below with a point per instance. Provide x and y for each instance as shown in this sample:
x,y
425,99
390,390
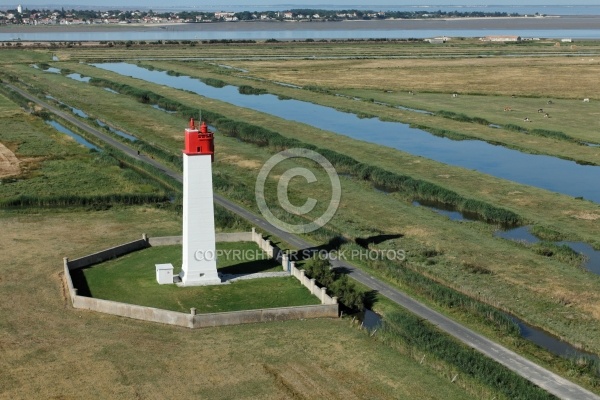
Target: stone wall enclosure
x,y
328,308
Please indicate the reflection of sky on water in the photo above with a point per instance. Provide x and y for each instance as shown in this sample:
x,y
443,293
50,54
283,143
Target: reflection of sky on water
x,y
546,172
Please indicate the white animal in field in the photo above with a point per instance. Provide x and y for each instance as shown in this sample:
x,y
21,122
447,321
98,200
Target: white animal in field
x,y
454,94
586,100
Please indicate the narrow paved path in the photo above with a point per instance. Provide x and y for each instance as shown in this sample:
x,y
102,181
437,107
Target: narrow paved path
x,y
540,376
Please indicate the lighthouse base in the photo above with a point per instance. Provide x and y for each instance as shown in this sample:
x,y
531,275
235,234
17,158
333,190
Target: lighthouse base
x,y
205,279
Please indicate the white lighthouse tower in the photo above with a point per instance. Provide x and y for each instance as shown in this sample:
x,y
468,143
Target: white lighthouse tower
x,y
199,252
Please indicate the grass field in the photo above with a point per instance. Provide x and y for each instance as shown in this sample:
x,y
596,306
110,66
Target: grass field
x,y
530,202
457,49
551,300
567,114
132,279
52,350
544,291
51,164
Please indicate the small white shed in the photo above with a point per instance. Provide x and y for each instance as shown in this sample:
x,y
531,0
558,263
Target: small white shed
x,y
164,274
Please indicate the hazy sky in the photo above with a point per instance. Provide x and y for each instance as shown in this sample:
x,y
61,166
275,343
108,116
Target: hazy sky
x,y
248,4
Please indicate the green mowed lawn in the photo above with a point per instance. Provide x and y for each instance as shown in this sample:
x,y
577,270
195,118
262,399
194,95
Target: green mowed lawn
x,y
132,279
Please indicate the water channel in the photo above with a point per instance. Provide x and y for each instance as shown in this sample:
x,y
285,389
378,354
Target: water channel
x,y
117,132
75,111
75,136
592,256
545,340
546,172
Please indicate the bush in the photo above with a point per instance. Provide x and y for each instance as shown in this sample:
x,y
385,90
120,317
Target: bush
x,y
462,117
75,200
214,82
337,284
560,252
245,89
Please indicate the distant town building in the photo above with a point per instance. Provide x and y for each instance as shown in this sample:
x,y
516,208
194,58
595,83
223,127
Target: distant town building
x,y
224,15
435,41
501,39
20,9
567,40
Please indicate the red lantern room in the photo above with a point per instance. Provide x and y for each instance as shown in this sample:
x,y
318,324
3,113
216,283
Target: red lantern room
x,y
199,142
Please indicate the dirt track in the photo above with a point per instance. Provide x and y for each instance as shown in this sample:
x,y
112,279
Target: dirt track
x,y
9,163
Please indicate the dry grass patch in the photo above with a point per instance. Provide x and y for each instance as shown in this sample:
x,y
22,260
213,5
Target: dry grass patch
x,y
494,75
9,163
240,162
588,216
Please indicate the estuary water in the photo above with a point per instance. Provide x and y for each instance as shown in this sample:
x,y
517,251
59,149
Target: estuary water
x,y
545,172
286,34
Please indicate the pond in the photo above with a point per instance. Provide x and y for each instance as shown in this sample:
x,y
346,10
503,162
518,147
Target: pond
x,y
79,77
546,172
522,234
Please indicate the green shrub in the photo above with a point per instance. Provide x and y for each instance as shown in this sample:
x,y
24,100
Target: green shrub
x,y
245,89
214,82
442,295
337,284
74,200
560,252
548,234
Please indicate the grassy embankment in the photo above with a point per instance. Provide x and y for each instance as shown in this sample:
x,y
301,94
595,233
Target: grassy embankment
x,y
506,267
